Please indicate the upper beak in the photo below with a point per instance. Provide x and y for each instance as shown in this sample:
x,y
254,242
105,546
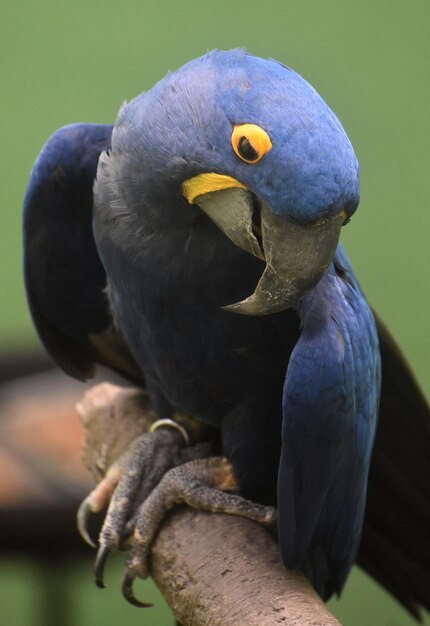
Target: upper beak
x,y
296,256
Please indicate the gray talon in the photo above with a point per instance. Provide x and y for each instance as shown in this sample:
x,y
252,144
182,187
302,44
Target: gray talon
x,y
82,517
99,566
127,592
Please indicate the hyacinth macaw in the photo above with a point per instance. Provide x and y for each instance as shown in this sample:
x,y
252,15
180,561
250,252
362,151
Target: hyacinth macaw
x,y
193,247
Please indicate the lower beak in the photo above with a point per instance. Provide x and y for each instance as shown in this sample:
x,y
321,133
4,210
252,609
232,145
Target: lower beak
x,y
296,256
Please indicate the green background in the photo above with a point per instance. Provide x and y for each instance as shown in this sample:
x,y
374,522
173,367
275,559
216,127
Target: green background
x,y
67,62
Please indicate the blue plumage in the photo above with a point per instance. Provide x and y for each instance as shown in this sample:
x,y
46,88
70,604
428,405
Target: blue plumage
x,y
330,404
180,129
309,374
182,126
62,270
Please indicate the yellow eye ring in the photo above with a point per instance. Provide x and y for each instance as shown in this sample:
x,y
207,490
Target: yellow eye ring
x,y
250,142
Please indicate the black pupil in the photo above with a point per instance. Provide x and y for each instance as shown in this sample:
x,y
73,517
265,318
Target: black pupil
x,y
246,149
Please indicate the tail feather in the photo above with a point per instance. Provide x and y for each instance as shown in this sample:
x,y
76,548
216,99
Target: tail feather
x,y
395,547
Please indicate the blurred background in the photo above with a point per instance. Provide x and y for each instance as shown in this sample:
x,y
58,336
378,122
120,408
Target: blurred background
x,y
64,62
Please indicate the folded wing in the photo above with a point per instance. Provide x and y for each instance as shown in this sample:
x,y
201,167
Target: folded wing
x,y
64,278
330,406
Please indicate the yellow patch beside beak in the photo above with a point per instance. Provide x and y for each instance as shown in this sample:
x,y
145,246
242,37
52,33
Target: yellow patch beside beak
x,y
205,183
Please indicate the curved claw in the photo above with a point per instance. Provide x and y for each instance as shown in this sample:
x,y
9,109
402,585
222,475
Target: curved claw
x,y
127,592
82,517
99,566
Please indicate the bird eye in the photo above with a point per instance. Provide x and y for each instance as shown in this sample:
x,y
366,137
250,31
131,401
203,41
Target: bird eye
x,y
250,142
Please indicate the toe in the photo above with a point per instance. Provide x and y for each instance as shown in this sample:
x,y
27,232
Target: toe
x,y
82,520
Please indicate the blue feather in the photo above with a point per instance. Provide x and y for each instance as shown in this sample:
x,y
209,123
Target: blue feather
x,y
330,404
63,275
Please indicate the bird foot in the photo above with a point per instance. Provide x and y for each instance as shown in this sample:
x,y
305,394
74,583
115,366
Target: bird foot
x,y
154,472
205,484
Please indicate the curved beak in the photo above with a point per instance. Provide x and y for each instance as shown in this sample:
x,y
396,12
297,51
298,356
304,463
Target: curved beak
x,y
296,256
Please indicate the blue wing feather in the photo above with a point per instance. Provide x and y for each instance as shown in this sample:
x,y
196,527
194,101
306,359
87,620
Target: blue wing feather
x,y
330,405
64,277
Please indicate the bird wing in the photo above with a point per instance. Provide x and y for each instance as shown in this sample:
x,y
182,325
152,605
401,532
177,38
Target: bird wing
x,y
395,547
64,278
330,404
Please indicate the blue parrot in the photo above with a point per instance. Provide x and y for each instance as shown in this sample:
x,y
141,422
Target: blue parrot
x,y
193,247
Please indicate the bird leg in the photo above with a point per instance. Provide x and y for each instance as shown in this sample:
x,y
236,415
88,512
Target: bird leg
x,y
144,474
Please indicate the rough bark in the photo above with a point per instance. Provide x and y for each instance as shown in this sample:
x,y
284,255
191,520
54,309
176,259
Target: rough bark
x,y
227,571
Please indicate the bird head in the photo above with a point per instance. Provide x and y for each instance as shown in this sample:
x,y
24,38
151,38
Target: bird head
x,y
252,144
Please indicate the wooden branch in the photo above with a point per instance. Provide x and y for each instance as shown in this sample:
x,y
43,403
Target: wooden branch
x,y
227,571
211,568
